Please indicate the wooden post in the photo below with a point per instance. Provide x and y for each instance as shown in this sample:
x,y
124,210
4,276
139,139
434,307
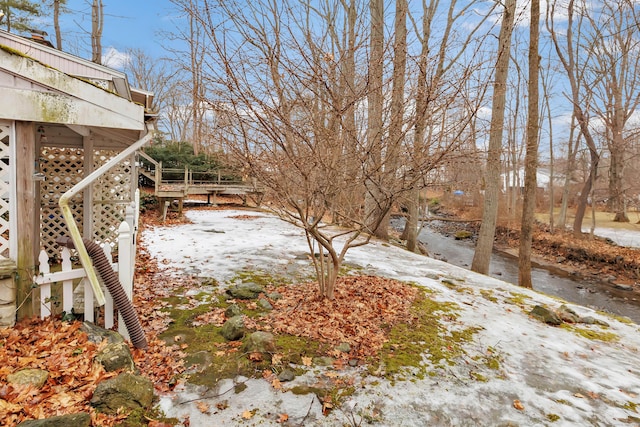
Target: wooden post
x,y
158,177
27,214
125,270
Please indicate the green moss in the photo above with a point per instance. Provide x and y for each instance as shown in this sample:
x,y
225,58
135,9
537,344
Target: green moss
x,y
553,417
517,299
631,406
620,319
260,278
479,377
141,417
488,295
591,334
563,402
424,334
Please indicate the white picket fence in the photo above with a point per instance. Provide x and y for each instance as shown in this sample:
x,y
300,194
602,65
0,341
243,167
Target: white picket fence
x,y
125,268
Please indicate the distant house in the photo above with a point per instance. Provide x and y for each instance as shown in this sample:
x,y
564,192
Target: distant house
x,y
61,118
515,179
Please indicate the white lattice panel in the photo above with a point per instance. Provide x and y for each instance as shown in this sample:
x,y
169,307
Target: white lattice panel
x,y
63,168
111,195
5,193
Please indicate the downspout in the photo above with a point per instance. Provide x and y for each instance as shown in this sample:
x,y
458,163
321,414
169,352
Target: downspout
x,y
74,232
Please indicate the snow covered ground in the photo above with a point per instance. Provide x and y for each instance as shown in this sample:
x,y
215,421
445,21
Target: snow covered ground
x,y
546,376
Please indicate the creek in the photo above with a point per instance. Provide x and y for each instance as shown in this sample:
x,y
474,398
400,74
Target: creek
x,y
599,295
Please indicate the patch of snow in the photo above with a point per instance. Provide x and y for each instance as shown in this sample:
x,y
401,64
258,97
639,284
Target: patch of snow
x,y
551,371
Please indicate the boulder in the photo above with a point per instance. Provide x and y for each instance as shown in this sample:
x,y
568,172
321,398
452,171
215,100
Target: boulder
x,y
286,375
262,302
260,342
35,377
96,334
245,291
568,315
127,391
232,311
81,419
116,356
545,315
233,329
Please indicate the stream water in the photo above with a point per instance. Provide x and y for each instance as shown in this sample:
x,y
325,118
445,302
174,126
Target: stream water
x,y
599,295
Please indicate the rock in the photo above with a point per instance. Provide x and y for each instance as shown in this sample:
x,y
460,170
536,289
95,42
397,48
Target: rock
x,y
35,377
590,320
462,234
545,315
126,391
623,287
116,356
560,259
232,311
262,302
274,296
81,419
568,315
97,334
245,291
353,362
344,347
286,375
323,361
233,329
260,342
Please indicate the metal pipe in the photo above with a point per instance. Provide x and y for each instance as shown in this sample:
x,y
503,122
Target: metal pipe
x,y
67,215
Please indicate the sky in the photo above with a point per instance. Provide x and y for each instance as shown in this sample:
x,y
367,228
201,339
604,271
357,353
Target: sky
x,y
553,372
128,24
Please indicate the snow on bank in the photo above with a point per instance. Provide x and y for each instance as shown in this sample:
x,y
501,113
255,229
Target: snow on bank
x,y
560,378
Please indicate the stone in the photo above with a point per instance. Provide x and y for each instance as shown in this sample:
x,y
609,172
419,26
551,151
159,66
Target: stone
x,y
116,356
35,377
545,315
353,362
323,361
344,347
96,334
127,391
245,291
623,287
7,315
262,302
286,375
232,311
7,291
274,296
233,329
81,419
567,315
462,235
260,342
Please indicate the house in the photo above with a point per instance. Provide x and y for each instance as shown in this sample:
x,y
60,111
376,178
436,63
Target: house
x,y
62,119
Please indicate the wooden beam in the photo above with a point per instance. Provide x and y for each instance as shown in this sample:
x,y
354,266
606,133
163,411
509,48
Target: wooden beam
x,y
27,214
49,107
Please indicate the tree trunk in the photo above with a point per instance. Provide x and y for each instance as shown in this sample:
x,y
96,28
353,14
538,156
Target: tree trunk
x,y
374,204
531,157
484,246
97,22
56,23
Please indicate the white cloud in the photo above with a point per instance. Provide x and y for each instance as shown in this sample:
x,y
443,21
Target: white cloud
x,y
113,58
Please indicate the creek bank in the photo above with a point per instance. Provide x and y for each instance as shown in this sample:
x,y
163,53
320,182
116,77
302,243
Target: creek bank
x,y
553,252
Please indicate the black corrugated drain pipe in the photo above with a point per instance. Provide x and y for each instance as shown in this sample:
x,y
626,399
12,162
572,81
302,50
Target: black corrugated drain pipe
x,y
111,281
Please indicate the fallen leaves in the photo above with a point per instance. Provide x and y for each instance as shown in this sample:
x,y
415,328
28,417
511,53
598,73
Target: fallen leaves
x,y
363,310
518,405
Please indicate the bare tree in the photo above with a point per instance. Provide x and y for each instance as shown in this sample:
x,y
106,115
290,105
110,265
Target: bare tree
x,y
531,157
614,77
484,245
580,99
97,25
